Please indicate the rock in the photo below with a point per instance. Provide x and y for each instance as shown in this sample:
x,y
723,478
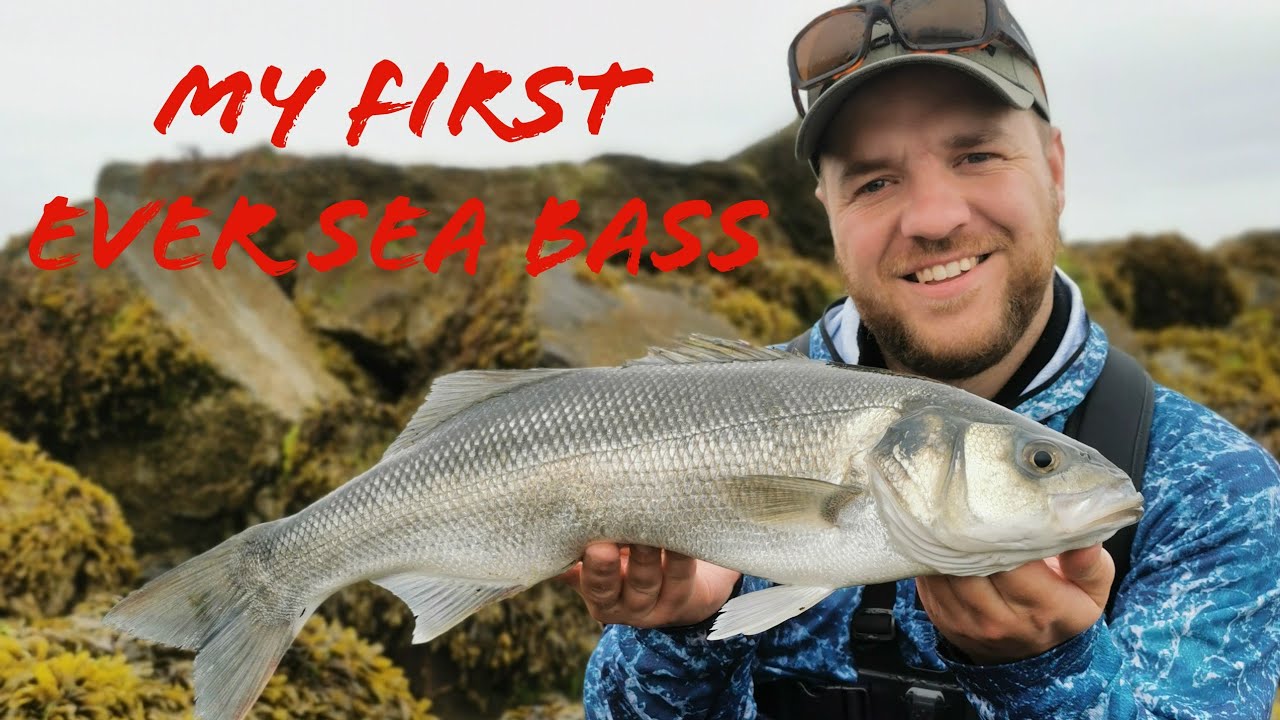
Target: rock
x,y
191,485
172,388
237,317
89,359
584,321
61,537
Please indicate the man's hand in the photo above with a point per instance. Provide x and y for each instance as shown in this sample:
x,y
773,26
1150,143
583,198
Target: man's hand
x,y
1021,613
647,587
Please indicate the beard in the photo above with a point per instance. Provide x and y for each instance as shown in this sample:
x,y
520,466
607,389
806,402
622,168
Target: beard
x,y
1023,296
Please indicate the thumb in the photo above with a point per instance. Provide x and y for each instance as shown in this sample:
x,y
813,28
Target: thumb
x,y
1091,569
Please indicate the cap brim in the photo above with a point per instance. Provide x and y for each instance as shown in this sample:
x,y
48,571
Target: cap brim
x,y
829,103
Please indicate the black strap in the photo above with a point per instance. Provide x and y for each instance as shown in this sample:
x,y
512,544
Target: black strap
x,y
1115,419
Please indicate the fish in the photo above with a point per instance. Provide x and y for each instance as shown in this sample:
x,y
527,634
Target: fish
x,y
814,475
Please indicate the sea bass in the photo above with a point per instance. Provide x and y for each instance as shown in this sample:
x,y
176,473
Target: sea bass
x,y
811,474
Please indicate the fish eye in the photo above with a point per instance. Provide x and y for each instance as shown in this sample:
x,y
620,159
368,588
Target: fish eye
x,y
1043,457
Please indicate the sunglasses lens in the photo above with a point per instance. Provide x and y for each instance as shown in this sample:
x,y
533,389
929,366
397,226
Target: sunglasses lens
x,y
830,42
928,22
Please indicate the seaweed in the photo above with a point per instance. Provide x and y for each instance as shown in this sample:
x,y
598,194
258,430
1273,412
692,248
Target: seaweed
x,y
87,357
75,667
61,536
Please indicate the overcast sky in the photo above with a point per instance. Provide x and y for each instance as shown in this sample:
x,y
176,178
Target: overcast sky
x,y
1170,117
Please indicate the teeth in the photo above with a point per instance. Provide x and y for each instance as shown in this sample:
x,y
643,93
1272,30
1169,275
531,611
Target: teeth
x,y
938,273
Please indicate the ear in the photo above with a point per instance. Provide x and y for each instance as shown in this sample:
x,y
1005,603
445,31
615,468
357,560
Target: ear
x,y
820,188
1056,157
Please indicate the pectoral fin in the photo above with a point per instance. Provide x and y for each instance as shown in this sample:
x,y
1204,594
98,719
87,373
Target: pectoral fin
x,y
758,611
439,603
781,500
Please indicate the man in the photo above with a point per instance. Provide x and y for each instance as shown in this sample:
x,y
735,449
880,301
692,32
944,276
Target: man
x,y
927,126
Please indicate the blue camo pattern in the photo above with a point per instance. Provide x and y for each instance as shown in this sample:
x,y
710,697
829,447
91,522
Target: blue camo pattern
x,y
1196,627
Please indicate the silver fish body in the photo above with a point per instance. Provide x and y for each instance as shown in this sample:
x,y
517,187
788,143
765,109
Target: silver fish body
x,y
810,474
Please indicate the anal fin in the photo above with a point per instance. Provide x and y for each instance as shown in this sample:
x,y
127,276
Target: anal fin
x,y
758,611
438,603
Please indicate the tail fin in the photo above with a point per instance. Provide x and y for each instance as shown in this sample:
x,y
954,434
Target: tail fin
x,y
201,605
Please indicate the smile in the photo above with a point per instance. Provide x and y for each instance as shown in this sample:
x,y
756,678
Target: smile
x,y
942,273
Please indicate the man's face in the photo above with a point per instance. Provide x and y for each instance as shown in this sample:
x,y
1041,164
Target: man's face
x,y
944,207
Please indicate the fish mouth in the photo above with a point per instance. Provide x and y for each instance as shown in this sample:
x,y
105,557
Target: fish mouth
x,y
1097,510
1120,518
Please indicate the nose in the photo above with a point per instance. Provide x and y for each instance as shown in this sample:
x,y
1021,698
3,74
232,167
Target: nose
x,y
935,208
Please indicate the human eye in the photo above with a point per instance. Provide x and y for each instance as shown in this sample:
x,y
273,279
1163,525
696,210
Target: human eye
x,y
872,187
976,158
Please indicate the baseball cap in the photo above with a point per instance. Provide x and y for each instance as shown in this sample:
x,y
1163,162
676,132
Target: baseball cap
x,y
1007,72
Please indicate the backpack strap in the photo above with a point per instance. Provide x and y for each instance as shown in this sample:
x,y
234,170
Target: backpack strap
x,y
1115,419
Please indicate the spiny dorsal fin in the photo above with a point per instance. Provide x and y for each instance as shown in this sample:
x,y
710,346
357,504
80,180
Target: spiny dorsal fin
x,y
704,349
451,394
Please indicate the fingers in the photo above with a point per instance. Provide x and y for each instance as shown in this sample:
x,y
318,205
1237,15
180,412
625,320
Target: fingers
x,y
601,577
644,586
1084,575
680,568
643,580
623,584
957,601
1027,586
1021,612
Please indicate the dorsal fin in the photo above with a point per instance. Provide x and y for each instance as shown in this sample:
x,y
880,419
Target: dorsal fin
x,y
451,394
705,348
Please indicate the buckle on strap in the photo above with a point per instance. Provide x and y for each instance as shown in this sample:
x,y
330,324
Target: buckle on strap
x,y
874,625
924,704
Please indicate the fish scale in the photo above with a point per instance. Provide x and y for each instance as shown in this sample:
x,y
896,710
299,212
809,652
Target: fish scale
x,y
813,475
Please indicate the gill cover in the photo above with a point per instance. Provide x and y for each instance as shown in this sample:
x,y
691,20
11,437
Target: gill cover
x,y
922,492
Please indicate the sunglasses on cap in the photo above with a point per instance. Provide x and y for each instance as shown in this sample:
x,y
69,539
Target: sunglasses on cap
x,y
837,42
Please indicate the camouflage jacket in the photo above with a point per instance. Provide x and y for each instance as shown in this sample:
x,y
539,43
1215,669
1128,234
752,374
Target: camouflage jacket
x,y
1195,631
